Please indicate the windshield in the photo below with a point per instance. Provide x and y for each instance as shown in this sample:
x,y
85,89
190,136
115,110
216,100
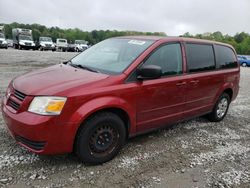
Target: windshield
x,y
25,37
62,40
80,42
112,56
2,35
46,39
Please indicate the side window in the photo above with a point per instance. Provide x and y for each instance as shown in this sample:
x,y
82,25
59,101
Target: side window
x,y
200,57
225,57
169,58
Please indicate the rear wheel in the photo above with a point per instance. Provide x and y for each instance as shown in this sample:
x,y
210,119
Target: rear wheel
x,y
220,109
100,138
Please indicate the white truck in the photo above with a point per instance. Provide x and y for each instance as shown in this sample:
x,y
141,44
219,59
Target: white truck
x,y
61,45
22,39
81,45
3,42
46,43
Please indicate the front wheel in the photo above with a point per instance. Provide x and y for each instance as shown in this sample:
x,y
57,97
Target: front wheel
x,y
220,109
244,64
100,138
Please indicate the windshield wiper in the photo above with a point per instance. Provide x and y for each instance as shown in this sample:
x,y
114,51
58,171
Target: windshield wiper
x,y
82,67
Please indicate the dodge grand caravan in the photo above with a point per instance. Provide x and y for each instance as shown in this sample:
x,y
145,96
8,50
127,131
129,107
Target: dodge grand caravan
x,y
117,89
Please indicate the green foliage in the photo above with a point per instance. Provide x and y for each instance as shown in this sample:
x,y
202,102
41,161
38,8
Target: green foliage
x,y
71,34
240,41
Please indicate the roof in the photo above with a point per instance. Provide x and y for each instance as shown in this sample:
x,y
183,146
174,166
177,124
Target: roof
x,y
170,38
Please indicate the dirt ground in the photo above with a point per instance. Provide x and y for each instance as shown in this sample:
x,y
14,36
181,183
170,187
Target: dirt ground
x,y
195,153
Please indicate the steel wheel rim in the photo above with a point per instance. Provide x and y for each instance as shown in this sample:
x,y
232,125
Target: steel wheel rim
x,y
103,140
222,107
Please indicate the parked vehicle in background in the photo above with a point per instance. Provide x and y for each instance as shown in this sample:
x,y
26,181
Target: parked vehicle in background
x,y
78,46
3,41
46,43
119,88
71,47
61,45
81,45
22,39
244,60
10,42
1,29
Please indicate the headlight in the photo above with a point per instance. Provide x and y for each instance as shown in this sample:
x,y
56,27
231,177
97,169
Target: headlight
x,y
4,42
42,44
47,105
22,43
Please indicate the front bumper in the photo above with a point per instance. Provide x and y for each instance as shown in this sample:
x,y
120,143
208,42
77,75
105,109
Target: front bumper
x,y
48,47
27,47
39,134
3,45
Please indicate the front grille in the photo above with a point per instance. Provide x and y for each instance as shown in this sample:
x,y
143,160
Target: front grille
x,y
0,42
16,99
36,145
14,104
48,45
21,96
27,44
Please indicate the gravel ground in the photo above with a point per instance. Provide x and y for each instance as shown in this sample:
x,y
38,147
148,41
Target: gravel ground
x,y
194,153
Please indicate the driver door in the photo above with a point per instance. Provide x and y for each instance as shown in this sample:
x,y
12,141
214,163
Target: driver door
x,y
161,101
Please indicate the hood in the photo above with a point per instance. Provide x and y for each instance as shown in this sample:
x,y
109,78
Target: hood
x,y
46,42
55,80
83,45
28,41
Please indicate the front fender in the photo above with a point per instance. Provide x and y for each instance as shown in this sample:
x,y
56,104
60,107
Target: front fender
x,y
103,103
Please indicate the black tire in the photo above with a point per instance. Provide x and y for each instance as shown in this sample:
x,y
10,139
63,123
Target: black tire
x,y
100,138
215,116
244,64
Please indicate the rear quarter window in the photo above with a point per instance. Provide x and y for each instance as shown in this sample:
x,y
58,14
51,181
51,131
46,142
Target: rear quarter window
x,y
225,57
200,57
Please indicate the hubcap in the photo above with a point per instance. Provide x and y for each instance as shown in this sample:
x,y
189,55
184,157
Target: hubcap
x,y
244,64
222,107
103,140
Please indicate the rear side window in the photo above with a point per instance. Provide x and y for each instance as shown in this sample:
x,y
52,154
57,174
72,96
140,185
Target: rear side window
x,y
200,57
169,58
225,57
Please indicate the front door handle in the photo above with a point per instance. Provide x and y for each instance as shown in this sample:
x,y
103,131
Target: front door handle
x,y
194,82
181,83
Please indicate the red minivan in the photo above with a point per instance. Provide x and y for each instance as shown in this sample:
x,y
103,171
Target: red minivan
x,y
119,88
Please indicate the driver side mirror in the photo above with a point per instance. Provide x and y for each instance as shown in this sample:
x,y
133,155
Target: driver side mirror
x,y
149,72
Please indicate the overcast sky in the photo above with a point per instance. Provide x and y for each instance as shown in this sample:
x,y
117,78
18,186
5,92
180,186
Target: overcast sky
x,y
174,17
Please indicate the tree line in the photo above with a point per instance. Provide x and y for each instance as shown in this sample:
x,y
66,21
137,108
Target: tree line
x,y
240,41
72,34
